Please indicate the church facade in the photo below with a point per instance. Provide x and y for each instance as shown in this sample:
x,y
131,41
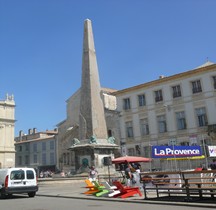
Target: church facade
x,y
7,121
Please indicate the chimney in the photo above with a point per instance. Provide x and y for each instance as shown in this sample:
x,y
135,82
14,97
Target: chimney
x,y
34,130
21,134
30,131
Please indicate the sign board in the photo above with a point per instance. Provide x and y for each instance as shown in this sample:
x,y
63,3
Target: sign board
x,y
212,151
175,151
172,142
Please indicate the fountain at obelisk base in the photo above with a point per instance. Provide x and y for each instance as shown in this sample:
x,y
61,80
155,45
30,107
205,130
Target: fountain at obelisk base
x,y
93,146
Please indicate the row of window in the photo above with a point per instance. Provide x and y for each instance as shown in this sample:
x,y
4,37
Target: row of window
x,y
44,146
162,123
26,160
35,146
158,95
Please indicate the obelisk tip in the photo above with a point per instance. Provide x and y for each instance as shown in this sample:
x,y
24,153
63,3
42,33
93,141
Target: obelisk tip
x,y
87,20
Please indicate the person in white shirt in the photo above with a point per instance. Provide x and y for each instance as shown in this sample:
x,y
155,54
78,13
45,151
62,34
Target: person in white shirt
x,y
93,173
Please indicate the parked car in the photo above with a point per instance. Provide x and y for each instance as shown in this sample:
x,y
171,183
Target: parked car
x,y
18,181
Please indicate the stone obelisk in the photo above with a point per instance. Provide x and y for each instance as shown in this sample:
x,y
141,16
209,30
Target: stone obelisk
x,y
92,119
92,147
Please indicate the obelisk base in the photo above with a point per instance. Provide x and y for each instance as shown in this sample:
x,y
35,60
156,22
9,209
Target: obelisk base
x,y
87,155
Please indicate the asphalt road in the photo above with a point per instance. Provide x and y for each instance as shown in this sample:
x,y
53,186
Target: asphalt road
x,y
53,203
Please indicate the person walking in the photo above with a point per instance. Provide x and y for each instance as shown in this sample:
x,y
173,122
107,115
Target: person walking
x,y
136,174
213,164
93,173
129,175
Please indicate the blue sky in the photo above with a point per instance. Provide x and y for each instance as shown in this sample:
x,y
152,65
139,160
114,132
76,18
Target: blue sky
x,y
136,41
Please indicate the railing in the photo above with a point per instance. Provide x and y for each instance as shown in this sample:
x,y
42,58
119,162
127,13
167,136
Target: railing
x,y
189,183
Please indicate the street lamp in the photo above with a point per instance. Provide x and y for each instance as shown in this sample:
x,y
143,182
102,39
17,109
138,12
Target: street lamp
x,y
205,153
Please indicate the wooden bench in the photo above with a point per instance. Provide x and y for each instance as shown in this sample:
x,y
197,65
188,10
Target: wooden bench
x,y
185,183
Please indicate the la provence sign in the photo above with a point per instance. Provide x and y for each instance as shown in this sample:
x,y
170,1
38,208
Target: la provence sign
x,y
175,151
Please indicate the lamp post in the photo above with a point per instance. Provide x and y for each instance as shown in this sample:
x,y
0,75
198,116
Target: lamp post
x,y
205,153
150,156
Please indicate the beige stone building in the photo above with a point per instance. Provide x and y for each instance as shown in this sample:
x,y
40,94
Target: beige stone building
x,y
7,121
173,110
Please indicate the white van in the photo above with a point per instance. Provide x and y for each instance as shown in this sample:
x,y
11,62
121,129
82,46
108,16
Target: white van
x,y
17,181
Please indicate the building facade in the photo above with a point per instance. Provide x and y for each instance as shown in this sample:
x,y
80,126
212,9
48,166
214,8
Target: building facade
x,y
174,110
37,150
7,122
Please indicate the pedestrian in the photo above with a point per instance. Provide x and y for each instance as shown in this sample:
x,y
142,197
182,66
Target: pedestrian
x,y
41,174
213,164
62,174
129,175
93,173
136,174
138,167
